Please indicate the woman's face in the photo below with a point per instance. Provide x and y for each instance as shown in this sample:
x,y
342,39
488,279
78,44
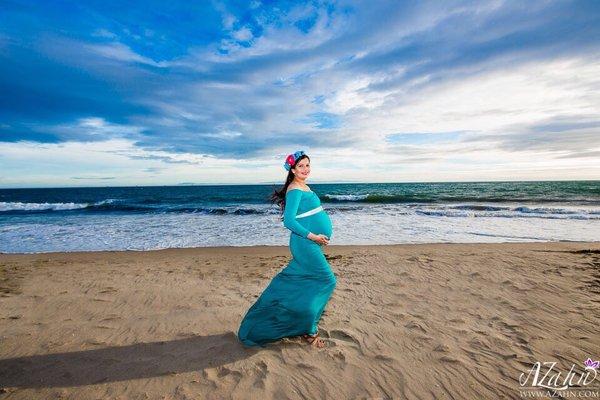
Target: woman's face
x,y
302,169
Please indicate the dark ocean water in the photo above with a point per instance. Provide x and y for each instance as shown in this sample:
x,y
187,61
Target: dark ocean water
x,y
69,219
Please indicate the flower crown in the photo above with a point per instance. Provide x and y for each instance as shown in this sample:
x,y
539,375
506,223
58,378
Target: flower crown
x,y
291,159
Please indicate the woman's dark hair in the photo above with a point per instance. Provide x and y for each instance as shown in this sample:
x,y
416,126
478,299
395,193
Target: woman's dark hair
x,y
278,196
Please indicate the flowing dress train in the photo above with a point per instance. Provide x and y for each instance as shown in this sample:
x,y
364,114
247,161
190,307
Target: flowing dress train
x,y
292,303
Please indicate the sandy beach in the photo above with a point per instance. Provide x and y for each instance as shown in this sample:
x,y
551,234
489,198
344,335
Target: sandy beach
x,y
420,321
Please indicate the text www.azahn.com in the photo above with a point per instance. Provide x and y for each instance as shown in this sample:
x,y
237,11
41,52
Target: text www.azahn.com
x,y
582,393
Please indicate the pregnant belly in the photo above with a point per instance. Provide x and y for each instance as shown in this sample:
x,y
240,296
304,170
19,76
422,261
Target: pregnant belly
x,y
320,224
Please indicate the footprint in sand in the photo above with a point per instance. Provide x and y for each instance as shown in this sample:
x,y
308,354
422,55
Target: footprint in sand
x,y
262,371
101,300
416,325
111,318
442,348
384,358
449,359
224,371
345,337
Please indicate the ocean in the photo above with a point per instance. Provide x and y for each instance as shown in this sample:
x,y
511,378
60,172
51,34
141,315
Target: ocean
x,y
158,217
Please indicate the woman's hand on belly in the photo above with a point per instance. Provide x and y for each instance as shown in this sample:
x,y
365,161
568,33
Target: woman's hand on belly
x,y
320,239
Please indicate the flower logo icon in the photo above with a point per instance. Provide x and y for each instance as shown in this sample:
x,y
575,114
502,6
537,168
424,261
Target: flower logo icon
x,y
589,363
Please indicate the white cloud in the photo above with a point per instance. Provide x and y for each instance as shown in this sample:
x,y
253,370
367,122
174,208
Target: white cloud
x,y
120,52
90,129
244,34
105,33
496,101
120,162
223,135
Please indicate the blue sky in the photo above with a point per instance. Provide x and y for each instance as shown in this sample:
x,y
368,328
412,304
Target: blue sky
x,y
96,93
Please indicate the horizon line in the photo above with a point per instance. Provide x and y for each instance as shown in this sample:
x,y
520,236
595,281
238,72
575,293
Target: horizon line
x,y
278,183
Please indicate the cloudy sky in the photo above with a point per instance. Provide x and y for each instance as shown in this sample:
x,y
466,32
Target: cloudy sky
x,y
94,93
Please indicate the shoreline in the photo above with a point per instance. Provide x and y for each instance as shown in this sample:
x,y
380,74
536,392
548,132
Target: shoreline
x,y
286,246
405,321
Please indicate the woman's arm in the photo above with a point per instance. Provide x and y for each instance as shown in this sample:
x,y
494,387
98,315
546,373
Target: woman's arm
x,y
292,201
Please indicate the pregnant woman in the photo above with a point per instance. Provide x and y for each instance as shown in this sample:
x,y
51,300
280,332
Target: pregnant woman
x,y
293,302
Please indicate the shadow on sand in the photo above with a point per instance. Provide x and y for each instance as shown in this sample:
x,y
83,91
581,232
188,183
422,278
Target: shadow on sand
x,y
142,360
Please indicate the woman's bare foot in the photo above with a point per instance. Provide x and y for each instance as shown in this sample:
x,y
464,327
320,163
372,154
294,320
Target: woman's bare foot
x,y
314,340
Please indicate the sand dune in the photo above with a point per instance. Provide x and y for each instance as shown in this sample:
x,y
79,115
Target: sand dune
x,y
459,321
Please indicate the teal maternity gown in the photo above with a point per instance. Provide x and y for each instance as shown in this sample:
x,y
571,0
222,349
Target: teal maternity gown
x,y
293,302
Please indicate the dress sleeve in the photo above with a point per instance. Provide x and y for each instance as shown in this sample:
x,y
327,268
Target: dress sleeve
x,y
292,201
